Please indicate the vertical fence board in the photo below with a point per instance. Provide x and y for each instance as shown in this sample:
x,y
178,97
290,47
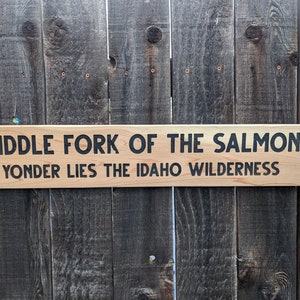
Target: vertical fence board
x,y
76,85
297,61
202,46
24,215
140,94
266,93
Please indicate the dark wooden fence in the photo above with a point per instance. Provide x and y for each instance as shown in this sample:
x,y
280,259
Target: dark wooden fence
x,y
192,61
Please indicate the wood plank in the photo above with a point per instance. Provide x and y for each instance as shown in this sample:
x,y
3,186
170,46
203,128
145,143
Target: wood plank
x,y
266,92
203,76
140,94
296,60
149,155
76,89
25,264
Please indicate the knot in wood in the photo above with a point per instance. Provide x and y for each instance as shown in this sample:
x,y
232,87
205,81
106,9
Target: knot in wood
x,y
294,58
29,29
56,32
254,33
154,34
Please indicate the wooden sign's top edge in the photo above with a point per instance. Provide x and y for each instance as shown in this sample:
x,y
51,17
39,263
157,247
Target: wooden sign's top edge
x,y
155,126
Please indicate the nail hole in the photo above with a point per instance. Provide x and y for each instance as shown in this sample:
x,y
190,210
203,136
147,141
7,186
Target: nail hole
x,y
187,71
152,70
63,73
87,75
126,73
278,67
219,68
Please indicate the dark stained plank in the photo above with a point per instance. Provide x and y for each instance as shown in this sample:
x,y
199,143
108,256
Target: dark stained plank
x,y
266,92
203,78
76,89
140,94
140,62
296,58
25,265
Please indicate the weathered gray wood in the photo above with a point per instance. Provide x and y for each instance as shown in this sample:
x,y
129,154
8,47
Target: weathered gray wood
x,y
203,85
266,92
76,89
140,93
24,216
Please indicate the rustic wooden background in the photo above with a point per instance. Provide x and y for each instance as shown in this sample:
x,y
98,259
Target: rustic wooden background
x,y
145,62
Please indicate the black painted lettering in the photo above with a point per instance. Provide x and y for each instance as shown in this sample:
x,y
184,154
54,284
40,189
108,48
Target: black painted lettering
x,y
137,139
278,138
142,169
46,171
37,171
111,143
67,144
99,141
257,168
93,172
186,143
164,169
153,170
83,144
275,168
54,171
221,169
173,137
196,169
10,145
27,169
197,143
248,168
47,144
16,172
175,169
6,169
150,142
233,144
261,141
211,172
69,173
230,170
35,151
238,168
244,143
24,144
266,168
294,140
117,170
218,142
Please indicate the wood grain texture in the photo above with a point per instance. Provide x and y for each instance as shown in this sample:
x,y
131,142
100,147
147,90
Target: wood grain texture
x,y
25,265
140,94
203,78
76,89
266,93
177,155
140,70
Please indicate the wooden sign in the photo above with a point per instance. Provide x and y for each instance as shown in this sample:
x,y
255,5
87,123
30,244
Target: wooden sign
x,y
149,155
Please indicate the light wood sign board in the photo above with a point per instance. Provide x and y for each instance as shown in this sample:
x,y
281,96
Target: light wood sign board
x,y
149,155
